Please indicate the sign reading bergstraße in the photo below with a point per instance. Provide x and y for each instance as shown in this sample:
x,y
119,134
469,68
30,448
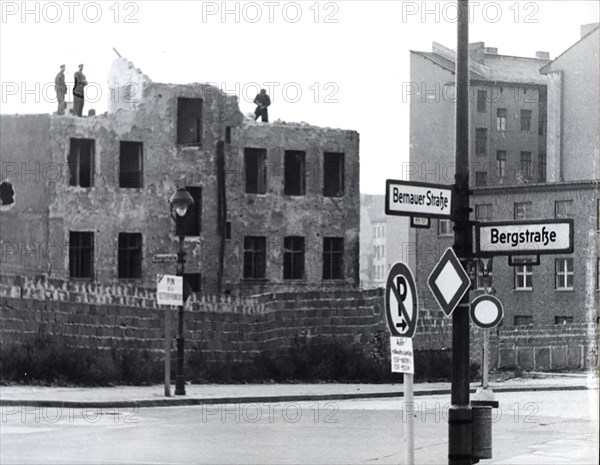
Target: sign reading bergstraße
x,y
421,199
525,237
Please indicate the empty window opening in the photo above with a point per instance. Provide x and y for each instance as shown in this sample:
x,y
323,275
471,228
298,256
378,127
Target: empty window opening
x,y
333,174
130,255
81,162
255,257
333,257
563,320
293,257
192,282
81,254
523,320
255,168
191,223
189,121
7,193
131,165
294,177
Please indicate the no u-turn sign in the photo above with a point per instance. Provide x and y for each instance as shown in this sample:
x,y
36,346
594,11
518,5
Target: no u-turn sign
x,y
401,304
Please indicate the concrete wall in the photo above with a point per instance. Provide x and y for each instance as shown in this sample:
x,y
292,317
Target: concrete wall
x,y
235,329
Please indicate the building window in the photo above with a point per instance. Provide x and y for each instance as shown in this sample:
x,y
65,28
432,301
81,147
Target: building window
x,y
563,320
189,121
526,165
542,167
191,223
563,208
131,165
228,230
333,257
293,257
564,274
523,210
255,168
294,176
192,282
480,178
483,212
81,163
523,320
481,141
542,125
481,101
333,174
526,120
255,257
598,274
130,256
481,280
444,228
81,254
501,163
598,215
524,278
501,119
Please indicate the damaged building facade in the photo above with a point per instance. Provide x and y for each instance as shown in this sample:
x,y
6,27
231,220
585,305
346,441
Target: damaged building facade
x,y
276,206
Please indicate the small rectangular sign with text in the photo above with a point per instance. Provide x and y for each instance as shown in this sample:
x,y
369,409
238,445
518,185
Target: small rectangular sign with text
x,y
402,355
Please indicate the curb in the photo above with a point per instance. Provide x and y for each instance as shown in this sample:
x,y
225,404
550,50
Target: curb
x,y
182,402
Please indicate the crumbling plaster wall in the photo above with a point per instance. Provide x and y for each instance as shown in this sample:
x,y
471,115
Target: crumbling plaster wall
x,y
24,161
108,209
276,215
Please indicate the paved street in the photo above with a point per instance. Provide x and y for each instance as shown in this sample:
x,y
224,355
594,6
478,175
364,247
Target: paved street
x,y
529,428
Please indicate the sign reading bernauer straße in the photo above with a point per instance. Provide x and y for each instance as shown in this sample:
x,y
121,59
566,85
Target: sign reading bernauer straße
x,y
417,199
525,237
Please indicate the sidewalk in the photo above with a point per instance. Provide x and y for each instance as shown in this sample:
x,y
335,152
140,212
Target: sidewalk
x,y
153,396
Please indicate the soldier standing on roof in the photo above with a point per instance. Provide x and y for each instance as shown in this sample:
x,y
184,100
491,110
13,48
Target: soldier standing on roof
x,y
262,101
61,90
78,96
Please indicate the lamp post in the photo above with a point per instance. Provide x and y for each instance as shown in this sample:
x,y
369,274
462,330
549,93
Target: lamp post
x,y
180,203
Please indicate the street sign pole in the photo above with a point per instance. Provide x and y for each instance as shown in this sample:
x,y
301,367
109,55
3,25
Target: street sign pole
x,y
168,352
409,407
460,417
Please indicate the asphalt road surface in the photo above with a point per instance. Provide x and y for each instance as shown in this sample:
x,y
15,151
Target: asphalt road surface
x,y
529,428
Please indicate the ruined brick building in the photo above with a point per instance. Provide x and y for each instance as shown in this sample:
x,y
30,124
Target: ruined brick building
x,y
276,205
534,154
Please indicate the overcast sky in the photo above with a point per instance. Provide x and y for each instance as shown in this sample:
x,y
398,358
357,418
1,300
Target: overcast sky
x,y
338,64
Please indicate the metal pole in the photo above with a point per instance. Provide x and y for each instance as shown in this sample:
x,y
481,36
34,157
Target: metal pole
x,y
167,352
179,377
409,439
486,357
460,416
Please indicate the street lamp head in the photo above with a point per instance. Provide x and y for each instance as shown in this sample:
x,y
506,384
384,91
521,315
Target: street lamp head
x,y
180,202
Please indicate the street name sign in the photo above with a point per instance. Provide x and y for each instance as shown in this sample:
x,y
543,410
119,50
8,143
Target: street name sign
x,y
448,281
401,305
402,355
164,258
169,289
486,311
421,199
525,237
